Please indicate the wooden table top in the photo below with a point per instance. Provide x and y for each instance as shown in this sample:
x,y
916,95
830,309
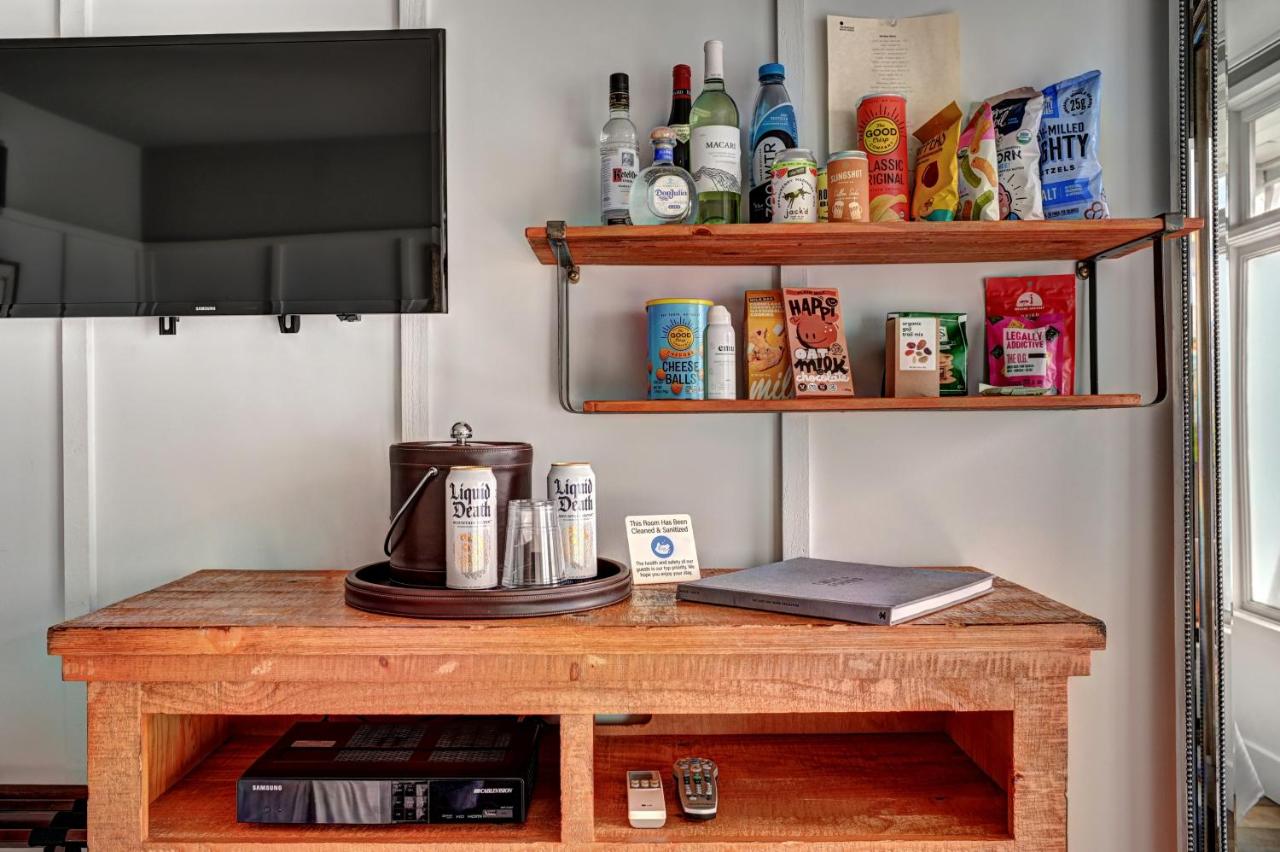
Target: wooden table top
x,y
224,612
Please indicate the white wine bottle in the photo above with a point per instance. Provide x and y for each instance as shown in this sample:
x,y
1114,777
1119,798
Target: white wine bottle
x,y
715,144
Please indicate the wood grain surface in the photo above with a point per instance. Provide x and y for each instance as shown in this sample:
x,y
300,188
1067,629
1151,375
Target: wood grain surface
x,y
201,809
779,788
301,613
861,403
838,735
847,244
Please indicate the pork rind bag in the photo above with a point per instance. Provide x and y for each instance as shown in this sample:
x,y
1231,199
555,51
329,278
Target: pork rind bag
x,y
1070,174
979,181
1031,332
1017,118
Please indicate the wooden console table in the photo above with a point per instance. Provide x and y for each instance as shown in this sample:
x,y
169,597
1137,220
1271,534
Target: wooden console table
x,y
947,733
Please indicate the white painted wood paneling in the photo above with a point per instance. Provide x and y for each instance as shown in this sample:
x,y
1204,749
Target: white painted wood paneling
x,y
415,330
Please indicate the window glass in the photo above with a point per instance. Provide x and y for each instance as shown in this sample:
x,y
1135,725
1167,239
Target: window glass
x,y
1262,450
1266,162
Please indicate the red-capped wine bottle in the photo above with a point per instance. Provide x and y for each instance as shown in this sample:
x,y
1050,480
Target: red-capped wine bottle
x,y
681,77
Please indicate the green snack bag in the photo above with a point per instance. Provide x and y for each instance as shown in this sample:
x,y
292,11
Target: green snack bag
x,y
953,350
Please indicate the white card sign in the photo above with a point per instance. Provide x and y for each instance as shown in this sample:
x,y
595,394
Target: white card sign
x,y
662,549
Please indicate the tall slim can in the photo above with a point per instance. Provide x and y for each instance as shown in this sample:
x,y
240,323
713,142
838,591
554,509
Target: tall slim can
x,y
572,487
471,521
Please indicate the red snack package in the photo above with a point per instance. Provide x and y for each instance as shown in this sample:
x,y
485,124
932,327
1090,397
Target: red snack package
x,y
1031,332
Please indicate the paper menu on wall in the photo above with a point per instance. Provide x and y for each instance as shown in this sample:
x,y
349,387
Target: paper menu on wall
x,y
918,58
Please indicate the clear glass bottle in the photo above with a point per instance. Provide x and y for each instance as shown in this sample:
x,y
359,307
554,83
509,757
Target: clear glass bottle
x,y
715,144
619,156
663,194
773,130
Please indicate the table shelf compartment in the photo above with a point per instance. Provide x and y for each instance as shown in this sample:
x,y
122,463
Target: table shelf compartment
x,y
828,778
198,810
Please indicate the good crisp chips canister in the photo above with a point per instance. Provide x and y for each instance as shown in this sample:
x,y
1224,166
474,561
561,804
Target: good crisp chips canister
x,y
676,331
882,133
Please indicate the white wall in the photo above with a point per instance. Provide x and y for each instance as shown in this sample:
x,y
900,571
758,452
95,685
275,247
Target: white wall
x,y
199,435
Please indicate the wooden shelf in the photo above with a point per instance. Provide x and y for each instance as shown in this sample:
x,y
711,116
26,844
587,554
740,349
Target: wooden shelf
x,y
945,403
807,788
201,809
848,244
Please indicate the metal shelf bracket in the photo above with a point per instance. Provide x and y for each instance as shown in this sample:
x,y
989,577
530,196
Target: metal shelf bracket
x,y
567,273
1087,271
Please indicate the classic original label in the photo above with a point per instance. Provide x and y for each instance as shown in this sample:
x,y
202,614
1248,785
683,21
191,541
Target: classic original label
x,y
716,156
619,165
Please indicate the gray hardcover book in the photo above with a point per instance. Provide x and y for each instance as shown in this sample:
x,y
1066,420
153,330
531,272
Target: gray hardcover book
x,y
843,591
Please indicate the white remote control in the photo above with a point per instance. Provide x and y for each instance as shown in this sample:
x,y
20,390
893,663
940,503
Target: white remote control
x,y
646,806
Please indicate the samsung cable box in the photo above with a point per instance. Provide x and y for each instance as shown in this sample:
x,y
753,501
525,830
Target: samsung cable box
x,y
469,769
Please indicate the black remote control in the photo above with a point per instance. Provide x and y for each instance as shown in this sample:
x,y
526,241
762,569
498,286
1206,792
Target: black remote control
x,y
698,785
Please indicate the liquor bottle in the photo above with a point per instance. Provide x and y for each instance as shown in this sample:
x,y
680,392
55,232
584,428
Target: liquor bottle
x,y
663,194
619,159
715,144
679,118
773,130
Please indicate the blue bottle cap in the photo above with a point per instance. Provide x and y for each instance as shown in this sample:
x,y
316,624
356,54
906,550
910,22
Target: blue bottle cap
x,y
772,69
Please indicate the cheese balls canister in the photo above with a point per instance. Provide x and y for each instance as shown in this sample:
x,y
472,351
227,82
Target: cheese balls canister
x,y
676,365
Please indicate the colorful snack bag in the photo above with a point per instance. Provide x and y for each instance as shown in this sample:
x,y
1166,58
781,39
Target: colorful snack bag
x,y
1017,118
953,349
977,163
1031,332
816,344
764,332
935,197
1070,173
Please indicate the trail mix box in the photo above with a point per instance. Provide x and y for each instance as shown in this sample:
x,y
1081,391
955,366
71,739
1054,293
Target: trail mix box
x,y
816,344
764,332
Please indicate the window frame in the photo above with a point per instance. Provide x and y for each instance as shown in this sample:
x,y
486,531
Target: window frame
x,y
1248,236
1261,242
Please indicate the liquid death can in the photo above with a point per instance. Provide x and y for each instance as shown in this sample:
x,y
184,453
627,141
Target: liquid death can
x,y
882,133
471,521
572,487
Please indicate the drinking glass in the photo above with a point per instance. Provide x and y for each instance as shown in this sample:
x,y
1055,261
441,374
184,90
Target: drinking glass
x,y
533,553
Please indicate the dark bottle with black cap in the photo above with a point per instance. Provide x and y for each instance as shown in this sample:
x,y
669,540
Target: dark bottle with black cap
x,y
619,156
681,101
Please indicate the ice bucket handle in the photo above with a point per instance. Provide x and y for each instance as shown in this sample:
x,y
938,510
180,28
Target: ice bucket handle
x,y
407,507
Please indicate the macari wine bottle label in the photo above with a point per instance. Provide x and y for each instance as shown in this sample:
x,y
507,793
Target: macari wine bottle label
x,y
716,156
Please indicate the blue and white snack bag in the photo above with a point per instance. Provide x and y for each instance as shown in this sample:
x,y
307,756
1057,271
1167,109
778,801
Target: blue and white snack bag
x,y
1070,174
1016,114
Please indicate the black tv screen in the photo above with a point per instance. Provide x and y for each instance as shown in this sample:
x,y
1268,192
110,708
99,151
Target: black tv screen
x,y
298,173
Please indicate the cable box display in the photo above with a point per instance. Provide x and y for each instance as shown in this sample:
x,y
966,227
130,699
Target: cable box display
x,y
469,769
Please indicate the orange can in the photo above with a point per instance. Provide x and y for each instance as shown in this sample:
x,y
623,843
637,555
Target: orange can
x,y
882,132
847,187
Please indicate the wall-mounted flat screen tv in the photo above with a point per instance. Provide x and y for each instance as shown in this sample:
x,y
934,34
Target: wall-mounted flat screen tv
x,y
298,173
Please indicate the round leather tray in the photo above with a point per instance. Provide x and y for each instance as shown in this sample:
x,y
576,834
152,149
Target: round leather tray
x,y
371,589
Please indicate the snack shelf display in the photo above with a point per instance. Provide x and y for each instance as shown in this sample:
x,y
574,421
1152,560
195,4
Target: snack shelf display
x,y
1082,242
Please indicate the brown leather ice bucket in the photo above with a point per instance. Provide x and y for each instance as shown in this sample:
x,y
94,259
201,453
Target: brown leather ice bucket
x,y
415,544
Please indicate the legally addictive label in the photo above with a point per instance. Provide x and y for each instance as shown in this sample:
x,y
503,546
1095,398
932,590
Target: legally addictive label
x,y
1025,352
716,156
619,165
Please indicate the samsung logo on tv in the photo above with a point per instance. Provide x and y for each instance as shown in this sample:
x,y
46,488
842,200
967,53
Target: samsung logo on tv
x,y
206,307
269,787
480,790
